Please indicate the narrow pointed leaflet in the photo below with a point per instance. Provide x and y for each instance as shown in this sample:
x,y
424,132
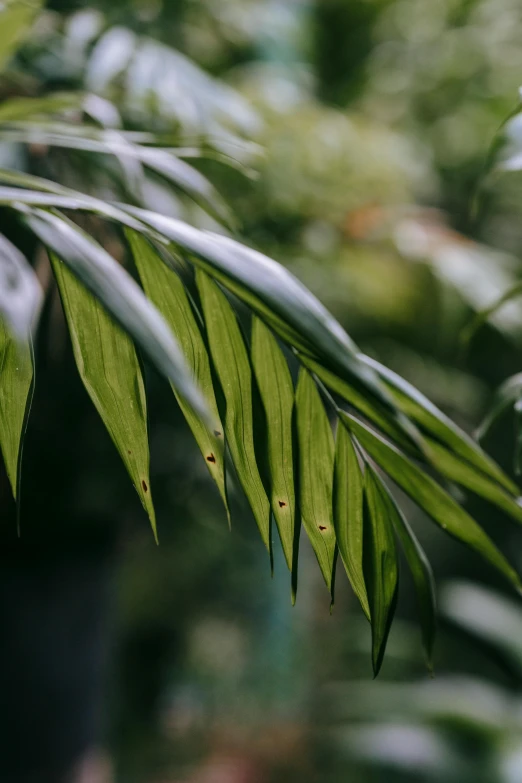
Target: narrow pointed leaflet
x,y
232,365
381,567
277,395
166,290
316,469
109,368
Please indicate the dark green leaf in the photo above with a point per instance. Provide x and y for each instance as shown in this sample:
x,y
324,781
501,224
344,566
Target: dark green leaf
x,y
165,289
16,391
421,572
348,513
381,567
230,359
316,469
121,296
20,292
277,395
109,368
429,496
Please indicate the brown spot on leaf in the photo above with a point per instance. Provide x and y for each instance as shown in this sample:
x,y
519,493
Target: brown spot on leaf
x,y
282,504
128,451
322,527
144,485
211,458
217,433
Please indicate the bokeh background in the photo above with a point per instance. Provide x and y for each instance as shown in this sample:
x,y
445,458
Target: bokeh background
x,y
358,132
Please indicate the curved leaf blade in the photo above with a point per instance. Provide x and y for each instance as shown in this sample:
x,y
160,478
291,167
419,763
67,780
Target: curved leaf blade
x,y
348,496
16,391
166,291
20,292
418,408
425,491
316,470
461,472
110,371
380,565
267,281
120,295
163,162
277,395
230,359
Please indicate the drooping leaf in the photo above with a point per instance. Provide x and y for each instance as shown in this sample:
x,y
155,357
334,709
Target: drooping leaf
x,y
266,285
230,359
348,513
108,141
60,197
20,292
165,289
381,568
316,469
461,472
16,17
505,397
451,465
277,394
110,371
121,296
420,569
16,391
416,406
430,496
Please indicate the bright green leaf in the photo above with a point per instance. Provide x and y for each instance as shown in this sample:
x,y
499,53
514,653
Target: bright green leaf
x,y
316,469
16,391
230,359
348,513
277,394
165,289
109,368
122,297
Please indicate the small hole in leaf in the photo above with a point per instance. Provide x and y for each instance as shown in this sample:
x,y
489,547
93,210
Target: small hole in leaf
x,y
144,485
322,527
217,433
282,504
211,458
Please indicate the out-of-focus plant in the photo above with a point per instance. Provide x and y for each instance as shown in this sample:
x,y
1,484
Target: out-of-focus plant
x,y
237,394
456,727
